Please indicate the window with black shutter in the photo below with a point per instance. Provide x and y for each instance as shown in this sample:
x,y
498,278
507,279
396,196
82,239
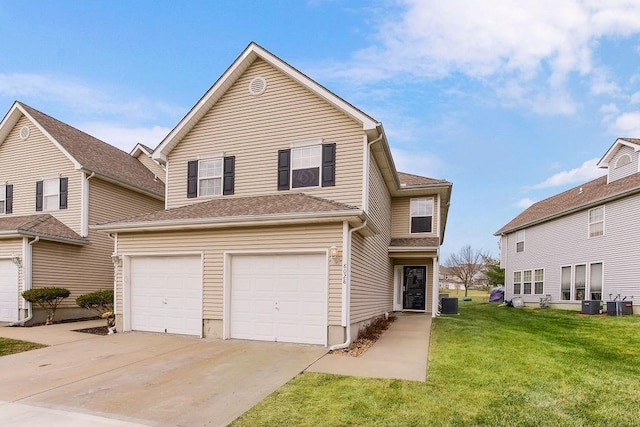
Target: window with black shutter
x,y
64,185
307,166
39,195
211,177
228,181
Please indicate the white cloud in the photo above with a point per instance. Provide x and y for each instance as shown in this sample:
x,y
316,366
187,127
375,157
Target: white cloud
x,y
417,163
123,137
526,50
586,172
627,125
525,203
83,97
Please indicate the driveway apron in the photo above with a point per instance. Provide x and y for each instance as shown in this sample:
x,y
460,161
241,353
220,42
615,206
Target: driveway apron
x,y
153,379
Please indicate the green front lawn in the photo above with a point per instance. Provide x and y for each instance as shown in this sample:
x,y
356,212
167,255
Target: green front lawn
x,y
488,366
9,346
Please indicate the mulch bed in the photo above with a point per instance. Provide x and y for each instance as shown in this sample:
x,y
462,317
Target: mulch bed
x,y
98,330
366,338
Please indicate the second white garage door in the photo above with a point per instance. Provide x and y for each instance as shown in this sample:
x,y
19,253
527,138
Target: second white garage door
x,y
166,294
279,298
8,291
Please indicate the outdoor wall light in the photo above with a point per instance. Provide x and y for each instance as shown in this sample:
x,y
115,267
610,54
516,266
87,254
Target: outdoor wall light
x,y
16,260
115,258
333,254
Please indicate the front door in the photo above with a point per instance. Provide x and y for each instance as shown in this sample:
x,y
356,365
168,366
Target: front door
x,y
414,287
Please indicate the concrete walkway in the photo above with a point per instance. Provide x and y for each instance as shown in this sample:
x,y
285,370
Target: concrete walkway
x,y
400,353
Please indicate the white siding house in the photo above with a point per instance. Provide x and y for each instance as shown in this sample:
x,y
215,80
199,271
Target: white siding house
x,y
581,244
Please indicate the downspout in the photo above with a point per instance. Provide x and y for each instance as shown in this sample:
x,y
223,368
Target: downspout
x,y
115,261
367,161
84,214
435,291
27,283
346,297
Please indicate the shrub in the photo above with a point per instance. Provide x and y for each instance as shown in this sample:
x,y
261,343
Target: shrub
x,y
47,298
99,302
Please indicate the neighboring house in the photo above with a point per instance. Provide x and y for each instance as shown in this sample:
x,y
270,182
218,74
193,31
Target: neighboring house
x,y
285,218
448,280
55,182
581,244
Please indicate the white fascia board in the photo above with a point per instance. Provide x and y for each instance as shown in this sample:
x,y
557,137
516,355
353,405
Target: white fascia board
x,y
9,121
73,160
122,184
604,161
139,149
227,222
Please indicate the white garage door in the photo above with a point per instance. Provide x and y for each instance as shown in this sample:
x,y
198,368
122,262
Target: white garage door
x,y
8,291
166,294
279,298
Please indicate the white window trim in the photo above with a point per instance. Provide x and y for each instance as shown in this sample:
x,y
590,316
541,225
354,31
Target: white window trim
x,y
624,156
433,208
588,284
523,240
3,198
513,277
200,178
300,145
589,223
571,281
45,195
534,281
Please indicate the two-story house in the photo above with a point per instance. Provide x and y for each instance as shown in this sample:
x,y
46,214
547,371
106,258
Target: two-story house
x,y
55,181
580,244
285,218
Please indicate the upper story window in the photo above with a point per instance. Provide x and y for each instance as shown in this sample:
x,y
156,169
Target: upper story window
x,y
6,199
421,211
51,194
211,177
596,221
307,165
520,241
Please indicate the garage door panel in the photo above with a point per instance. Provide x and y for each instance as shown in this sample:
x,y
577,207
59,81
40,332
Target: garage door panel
x,y
166,294
276,306
8,291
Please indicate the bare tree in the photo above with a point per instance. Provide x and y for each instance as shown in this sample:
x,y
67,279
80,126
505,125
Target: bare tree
x,y
466,264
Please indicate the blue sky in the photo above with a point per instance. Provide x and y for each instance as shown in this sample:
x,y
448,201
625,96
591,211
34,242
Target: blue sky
x,y
511,101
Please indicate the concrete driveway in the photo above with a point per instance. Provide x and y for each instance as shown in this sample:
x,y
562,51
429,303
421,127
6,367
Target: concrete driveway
x,y
150,379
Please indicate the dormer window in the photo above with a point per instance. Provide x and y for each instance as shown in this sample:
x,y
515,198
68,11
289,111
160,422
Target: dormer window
x,y
421,211
623,160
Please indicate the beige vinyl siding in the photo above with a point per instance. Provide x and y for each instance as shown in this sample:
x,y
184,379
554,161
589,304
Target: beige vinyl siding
x,y
84,269
23,162
214,243
253,129
400,225
152,166
372,270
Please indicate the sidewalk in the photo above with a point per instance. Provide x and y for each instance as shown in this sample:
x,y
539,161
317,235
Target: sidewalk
x,y
400,353
59,333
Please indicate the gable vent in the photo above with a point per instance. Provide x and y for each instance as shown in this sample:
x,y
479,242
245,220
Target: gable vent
x,y
257,86
24,132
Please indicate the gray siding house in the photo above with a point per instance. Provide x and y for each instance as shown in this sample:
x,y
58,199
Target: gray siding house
x,y
581,244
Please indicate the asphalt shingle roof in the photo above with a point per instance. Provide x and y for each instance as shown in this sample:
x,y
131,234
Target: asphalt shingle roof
x,y
415,242
409,180
234,207
98,156
44,225
584,195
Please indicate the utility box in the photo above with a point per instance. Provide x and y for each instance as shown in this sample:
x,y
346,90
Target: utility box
x,y
590,307
449,305
614,308
627,308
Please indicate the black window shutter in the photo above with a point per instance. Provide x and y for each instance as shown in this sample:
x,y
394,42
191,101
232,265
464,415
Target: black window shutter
x,y
284,162
192,179
64,186
39,193
8,199
228,179
328,165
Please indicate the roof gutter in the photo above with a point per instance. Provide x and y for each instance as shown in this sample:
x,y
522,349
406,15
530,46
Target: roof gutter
x,y
18,233
26,263
238,221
